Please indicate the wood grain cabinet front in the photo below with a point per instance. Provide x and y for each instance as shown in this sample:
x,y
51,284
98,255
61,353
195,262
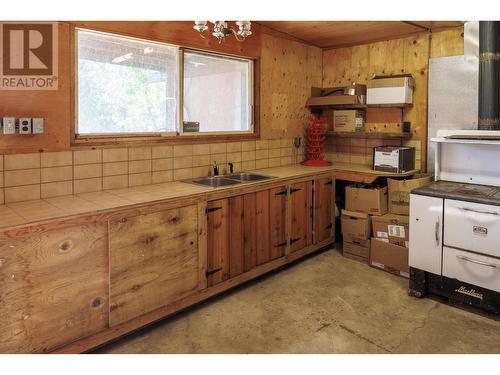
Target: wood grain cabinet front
x,y
324,209
153,261
53,288
245,231
301,215
218,237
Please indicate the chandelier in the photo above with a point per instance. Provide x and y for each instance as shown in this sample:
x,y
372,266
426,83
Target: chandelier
x,y
220,29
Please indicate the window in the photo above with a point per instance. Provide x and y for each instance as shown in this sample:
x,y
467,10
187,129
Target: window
x,y
216,92
127,86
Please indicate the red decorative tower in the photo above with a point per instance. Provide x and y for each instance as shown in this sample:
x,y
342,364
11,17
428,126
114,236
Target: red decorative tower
x,y
315,139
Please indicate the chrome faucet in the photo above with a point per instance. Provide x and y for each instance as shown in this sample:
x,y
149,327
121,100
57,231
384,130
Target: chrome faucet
x,y
216,169
231,167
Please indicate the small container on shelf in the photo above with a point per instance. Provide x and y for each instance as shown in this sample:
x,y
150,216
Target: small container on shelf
x,y
396,89
349,120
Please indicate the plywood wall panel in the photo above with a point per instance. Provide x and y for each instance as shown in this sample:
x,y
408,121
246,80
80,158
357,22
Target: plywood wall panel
x,y
343,66
360,61
416,61
386,57
288,71
448,43
337,70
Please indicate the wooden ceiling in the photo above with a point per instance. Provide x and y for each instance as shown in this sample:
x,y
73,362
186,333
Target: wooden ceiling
x,y
334,34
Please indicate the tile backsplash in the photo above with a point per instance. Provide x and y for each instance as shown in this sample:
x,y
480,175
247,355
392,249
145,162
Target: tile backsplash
x,y
50,174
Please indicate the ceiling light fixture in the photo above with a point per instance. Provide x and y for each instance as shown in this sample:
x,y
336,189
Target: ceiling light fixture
x,y
220,29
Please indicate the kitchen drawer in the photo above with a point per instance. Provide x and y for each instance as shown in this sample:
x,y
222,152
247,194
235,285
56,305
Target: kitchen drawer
x,y
472,268
472,226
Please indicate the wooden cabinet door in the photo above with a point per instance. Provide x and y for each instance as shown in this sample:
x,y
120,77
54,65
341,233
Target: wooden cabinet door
x,y
245,231
54,288
236,236
253,216
277,218
323,209
301,215
262,227
218,264
250,231
153,261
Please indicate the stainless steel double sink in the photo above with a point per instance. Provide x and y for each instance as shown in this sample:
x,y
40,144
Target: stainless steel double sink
x,y
229,179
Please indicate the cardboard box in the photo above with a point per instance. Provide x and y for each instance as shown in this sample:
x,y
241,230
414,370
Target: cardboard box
x,y
395,159
389,257
399,192
392,90
348,121
356,249
392,228
370,200
355,224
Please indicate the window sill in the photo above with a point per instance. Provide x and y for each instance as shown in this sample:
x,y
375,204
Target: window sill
x,y
170,138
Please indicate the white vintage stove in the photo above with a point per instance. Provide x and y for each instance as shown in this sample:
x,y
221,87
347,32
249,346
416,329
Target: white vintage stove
x,y
455,222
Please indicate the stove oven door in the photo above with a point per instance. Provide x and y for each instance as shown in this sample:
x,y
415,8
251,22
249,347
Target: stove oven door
x,y
472,226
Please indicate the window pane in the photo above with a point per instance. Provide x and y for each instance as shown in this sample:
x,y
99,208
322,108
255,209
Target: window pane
x,y
216,92
125,85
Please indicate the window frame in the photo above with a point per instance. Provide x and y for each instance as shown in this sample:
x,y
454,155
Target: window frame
x,y
250,91
163,137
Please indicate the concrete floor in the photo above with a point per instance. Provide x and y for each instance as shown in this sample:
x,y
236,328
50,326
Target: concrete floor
x,y
323,304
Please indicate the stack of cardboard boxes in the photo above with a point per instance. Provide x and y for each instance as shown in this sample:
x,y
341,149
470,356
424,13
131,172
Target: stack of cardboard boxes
x,y
362,203
366,216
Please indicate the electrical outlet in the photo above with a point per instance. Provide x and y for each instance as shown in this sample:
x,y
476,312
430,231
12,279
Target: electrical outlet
x,y
24,125
9,125
37,125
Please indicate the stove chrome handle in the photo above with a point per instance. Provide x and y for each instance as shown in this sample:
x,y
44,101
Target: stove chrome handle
x,y
479,211
436,231
478,261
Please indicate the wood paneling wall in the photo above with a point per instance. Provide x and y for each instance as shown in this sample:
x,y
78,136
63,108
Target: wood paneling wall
x,y
448,43
343,66
288,70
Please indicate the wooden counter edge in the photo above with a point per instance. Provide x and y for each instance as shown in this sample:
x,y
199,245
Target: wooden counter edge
x,y
42,226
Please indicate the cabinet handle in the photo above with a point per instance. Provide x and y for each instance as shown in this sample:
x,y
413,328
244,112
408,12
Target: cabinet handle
x,y
212,209
294,190
208,273
329,226
280,244
478,261
479,211
281,193
329,182
436,232
294,240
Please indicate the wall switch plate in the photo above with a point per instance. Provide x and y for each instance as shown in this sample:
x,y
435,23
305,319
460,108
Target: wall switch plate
x,y
9,125
24,125
37,125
